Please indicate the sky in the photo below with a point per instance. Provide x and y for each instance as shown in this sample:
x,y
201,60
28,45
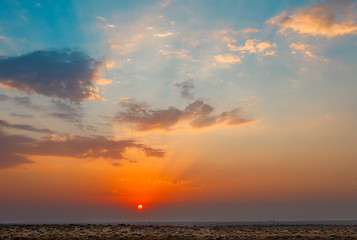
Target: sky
x,y
200,110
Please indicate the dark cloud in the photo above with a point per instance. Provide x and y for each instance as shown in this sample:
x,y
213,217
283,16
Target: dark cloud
x,y
10,148
185,88
65,73
24,127
25,102
21,115
67,111
198,114
16,149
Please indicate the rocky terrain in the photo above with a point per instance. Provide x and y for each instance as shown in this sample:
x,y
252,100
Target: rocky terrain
x,y
126,231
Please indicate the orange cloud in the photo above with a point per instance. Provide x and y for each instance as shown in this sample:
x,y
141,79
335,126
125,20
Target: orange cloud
x,y
109,63
167,34
250,30
270,53
249,46
304,49
227,59
328,19
253,46
103,81
263,45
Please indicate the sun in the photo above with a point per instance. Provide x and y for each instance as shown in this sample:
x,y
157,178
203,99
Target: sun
x,y
140,206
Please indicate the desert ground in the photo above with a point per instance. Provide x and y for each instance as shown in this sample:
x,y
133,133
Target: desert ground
x,y
131,231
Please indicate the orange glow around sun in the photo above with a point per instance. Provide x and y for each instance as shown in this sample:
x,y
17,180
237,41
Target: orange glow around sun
x,y
140,206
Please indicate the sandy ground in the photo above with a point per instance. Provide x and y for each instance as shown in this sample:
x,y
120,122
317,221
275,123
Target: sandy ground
x,y
125,231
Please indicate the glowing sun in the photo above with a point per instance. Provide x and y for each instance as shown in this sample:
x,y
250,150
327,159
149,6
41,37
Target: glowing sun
x,y
140,206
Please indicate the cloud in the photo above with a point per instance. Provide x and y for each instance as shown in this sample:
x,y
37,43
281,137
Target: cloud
x,y
103,81
101,18
165,3
327,18
10,146
299,46
24,127
161,35
67,74
21,115
249,46
16,150
263,45
270,53
109,63
180,54
227,59
252,46
304,49
125,46
185,88
25,102
250,30
67,111
198,114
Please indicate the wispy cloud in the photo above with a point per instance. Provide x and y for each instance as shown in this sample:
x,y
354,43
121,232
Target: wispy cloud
x,y
198,114
326,18
304,49
71,112
165,3
24,127
180,54
65,73
25,102
16,149
21,115
101,18
250,30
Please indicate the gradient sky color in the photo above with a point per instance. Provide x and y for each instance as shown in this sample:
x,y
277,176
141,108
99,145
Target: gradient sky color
x,y
198,110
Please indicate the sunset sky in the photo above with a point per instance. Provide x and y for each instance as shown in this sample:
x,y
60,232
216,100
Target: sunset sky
x,y
204,110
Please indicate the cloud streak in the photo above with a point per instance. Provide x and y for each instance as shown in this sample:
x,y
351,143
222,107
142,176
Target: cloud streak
x,y
65,73
327,18
17,149
197,114
24,127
